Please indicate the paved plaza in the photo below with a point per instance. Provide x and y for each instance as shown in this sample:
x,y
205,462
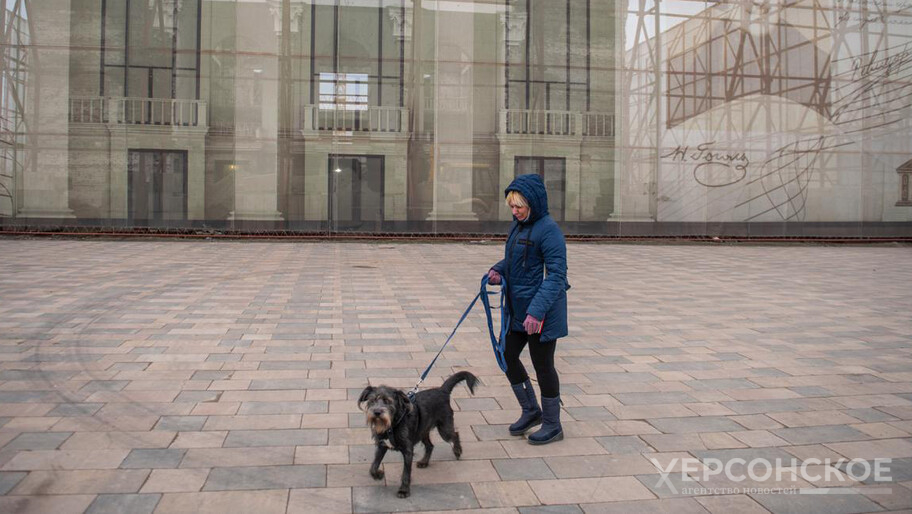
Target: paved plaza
x,y
211,376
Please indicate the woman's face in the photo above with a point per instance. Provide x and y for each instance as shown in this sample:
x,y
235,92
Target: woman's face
x,y
521,213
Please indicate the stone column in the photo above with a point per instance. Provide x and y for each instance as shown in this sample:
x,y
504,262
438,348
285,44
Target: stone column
x,y
454,131
44,183
196,180
256,108
119,174
395,190
316,182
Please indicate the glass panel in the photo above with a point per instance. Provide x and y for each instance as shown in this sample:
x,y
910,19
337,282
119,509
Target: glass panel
x,y
173,188
673,117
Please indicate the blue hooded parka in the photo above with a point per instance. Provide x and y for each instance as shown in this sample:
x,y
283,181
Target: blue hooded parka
x,y
535,264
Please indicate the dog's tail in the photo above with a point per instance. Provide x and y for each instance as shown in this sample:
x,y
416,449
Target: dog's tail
x,y
470,380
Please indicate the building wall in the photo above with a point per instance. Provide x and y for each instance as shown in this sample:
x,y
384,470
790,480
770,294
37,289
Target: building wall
x,y
787,120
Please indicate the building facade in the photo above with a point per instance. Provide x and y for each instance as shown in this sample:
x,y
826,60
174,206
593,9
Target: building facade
x,y
376,116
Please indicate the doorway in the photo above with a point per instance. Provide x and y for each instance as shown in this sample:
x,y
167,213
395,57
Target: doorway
x,y
157,186
553,172
355,192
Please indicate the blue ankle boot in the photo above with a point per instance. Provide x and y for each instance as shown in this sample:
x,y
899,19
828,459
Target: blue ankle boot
x,y
531,412
551,428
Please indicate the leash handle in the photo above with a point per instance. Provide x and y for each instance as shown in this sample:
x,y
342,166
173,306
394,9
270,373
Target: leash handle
x,y
498,343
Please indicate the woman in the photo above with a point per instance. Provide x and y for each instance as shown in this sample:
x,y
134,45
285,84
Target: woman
x,y
535,266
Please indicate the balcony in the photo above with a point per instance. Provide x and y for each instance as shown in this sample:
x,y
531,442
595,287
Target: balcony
x,y
138,111
371,119
556,123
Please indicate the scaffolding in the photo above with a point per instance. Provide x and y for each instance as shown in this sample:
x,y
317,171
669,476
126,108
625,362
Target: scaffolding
x,y
14,64
804,83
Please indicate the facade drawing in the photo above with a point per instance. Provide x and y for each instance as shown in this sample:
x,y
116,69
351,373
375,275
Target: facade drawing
x,y
375,116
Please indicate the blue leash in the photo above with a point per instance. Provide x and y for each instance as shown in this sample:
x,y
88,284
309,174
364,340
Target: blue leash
x,y
497,344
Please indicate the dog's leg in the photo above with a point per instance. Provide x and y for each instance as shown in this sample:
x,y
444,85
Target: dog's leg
x,y
375,470
449,434
405,487
428,449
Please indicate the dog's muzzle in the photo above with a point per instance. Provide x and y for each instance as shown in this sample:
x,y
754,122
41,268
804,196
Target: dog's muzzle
x,y
379,420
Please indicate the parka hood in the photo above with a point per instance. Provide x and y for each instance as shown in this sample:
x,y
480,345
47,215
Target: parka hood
x,y
532,187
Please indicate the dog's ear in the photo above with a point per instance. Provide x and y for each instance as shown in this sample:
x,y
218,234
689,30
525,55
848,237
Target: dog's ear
x,y
403,404
365,394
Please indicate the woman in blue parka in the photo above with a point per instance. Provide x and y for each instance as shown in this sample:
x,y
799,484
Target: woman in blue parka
x,y
535,266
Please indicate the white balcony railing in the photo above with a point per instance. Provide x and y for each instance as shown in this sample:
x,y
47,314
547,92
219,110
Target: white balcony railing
x,y
598,124
88,110
556,123
370,119
139,111
446,104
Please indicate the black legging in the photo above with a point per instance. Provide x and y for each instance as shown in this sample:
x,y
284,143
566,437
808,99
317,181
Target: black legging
x,y
542,353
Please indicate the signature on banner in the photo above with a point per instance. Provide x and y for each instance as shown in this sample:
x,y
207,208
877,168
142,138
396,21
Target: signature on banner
x,y
713,168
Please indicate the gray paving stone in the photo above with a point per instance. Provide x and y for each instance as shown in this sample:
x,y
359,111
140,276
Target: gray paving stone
x,y
591,361
522,469
650,398
770,455
491,432
291,365
768,372
900,470
284,407
589,413
870,415
472,404
121,503
211,375
104,385
32,397
619,378
41,375
198,396
551,509
820,434
720,383
423,497
660,506
9,479
763,406
181,423
686,366
695,424
816,503
265,477
674,485
811,391
38,441
153,458
296,384
249,438
75,409
623,444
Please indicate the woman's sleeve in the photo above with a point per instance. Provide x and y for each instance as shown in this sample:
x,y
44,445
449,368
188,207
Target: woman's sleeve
x,y
499,267
554,252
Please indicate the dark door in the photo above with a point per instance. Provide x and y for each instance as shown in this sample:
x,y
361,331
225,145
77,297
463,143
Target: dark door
x,y
355,192
553,171
157,190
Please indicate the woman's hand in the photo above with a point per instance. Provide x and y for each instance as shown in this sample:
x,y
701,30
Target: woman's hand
x,y
493,277
532,325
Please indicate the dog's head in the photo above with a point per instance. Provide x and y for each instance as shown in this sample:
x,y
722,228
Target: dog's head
x,y
383,407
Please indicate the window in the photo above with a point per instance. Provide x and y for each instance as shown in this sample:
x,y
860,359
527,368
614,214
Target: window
x,y
552,170
345,91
